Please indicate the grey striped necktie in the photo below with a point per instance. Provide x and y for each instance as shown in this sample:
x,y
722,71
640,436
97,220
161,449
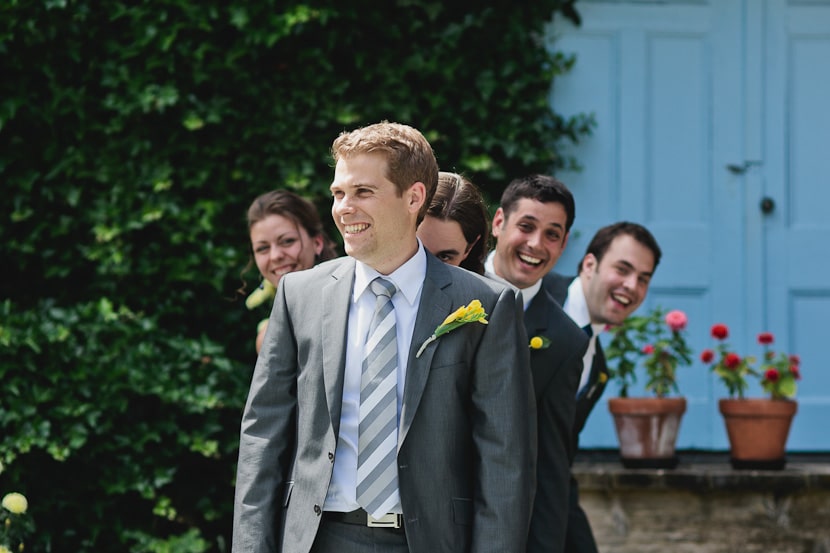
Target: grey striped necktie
x,y
377,473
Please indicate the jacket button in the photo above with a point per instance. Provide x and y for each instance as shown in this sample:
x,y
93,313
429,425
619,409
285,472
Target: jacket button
x,y
331,456
317,510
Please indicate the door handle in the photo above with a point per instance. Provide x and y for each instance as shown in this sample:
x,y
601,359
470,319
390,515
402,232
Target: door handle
x,y
740,169
767,205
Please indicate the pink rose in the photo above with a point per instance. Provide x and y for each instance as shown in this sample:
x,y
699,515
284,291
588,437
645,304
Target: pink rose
x,y
676,320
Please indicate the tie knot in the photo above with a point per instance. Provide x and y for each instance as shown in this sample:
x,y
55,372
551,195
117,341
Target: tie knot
x,y
589,330
382,287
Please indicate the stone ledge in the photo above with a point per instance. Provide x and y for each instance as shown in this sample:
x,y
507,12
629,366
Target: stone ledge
x,y
702,472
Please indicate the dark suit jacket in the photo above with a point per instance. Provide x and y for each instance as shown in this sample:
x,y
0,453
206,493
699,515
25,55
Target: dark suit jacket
x,y
558,286
467,436
556,371
579,537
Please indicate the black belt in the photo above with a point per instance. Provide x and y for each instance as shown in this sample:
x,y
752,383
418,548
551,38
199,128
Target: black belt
x,y
362,518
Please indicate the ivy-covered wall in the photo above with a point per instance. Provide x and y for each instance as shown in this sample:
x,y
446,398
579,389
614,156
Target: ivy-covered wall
x,y
133,135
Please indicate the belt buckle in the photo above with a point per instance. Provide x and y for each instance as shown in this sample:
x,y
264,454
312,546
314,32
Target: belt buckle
x,y
389,520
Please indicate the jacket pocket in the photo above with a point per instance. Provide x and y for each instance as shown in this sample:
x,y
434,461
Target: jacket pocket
x,y
462,510
447,366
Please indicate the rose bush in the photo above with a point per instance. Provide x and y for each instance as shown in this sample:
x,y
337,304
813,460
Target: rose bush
x,y
657,340
778,372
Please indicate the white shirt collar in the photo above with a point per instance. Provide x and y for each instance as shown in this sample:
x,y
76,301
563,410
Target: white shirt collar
x,y
527,293
576,306
409,277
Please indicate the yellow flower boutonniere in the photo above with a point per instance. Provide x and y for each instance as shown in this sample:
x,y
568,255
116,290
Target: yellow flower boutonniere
x,y
265,291
603,378
539,342
465,314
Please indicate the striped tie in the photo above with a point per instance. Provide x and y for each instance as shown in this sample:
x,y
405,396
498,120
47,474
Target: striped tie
x,y
377,473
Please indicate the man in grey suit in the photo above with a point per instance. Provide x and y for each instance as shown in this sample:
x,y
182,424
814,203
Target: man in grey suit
x,y
531,227
362,431
614,276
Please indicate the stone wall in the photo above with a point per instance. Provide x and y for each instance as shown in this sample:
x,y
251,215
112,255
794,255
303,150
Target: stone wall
x,y
705,506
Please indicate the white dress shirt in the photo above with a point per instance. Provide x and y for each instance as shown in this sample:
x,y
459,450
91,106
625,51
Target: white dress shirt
x,y
577,309
409,278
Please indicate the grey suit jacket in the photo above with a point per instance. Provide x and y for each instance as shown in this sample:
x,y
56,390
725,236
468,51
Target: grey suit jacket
x,y
467,436
556,371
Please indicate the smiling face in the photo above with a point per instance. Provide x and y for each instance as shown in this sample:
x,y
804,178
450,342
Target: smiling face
x,y
529,241
281,246
377,224
617,285
444,239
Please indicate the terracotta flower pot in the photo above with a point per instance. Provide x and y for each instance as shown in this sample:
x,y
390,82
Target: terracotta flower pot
x,y
647,430
758,430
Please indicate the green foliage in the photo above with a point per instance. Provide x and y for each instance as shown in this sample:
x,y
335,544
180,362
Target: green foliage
x,y
649,339
133,135
110,415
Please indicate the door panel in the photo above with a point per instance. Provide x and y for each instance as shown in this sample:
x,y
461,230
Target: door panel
x,y
797,231
680,91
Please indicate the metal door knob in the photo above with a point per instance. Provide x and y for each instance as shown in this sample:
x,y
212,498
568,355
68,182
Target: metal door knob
x,y
767,205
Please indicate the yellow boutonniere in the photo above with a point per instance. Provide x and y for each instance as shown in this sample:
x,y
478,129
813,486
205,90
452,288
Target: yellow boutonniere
x,y
465,314
265,291
602,378
539,342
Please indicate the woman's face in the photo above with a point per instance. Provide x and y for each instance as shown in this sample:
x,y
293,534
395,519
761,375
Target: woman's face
x,y
281,246
444,239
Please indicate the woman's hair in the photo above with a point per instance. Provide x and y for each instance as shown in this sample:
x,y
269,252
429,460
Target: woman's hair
x,y
457,199
298,209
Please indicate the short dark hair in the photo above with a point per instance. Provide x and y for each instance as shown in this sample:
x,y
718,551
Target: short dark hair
x,y
542,188
604,236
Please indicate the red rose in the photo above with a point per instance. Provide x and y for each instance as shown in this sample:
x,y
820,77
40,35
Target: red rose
x,y
707,355
676,320
720,331
795,360
732,360
765,338
771,375
648,349
795,372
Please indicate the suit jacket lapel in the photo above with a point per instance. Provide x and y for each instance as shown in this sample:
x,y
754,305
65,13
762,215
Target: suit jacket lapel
x,y
536,315
598,376
337,296
557,285
434,307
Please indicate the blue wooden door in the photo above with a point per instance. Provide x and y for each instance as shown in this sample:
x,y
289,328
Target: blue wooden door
x,y
705,109
795,236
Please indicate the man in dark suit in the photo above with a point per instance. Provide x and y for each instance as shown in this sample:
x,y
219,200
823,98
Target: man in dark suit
x,y
362,430
613,280
531,227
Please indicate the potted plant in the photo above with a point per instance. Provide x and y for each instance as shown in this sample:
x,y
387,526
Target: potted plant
x,y
647,427
757,428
